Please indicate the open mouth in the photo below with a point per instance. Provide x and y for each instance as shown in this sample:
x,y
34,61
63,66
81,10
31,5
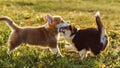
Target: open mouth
x,y
61,30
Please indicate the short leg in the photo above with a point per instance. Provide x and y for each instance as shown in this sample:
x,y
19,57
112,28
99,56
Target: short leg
x,y
12,45
13,42
55,51
83,53
59,52
54,48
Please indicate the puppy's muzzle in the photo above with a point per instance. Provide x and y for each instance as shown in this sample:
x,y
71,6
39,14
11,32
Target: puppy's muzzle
x,y
61,30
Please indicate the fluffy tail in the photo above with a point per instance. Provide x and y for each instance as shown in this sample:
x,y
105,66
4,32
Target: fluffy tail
x,y
98,21
9,21
101,30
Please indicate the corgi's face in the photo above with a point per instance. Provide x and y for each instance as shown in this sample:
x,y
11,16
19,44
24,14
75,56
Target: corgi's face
x,y
68,30
56,21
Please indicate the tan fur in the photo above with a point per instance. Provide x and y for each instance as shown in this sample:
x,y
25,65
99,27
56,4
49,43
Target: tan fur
x,y
38,36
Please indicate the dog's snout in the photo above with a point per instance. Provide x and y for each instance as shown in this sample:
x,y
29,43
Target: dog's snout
x,y
60,29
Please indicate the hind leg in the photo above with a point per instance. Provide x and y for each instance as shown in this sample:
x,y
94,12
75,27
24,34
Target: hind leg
x,y
83,53
11,46
95,51
13,42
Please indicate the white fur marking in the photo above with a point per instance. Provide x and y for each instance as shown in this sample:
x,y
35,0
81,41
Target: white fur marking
x,y
9,52
83,53
69,39
67,36
57,37
55,51
59,52
102,37
97,13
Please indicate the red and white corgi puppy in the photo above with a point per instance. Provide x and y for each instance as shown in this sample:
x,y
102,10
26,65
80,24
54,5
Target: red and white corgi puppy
x,y
43,36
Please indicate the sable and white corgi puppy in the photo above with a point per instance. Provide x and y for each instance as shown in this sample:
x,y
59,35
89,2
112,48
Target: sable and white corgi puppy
x,y
90,40
43,36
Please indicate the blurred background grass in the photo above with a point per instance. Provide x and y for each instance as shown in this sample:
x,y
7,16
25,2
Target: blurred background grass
x,y
79,12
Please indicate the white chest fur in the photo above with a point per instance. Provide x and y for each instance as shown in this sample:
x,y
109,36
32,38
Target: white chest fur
x,y
71,46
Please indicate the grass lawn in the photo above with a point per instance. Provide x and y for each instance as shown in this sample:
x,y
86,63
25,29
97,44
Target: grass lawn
x,y
80,12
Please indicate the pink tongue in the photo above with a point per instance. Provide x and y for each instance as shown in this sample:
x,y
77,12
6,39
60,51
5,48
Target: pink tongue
x,y
61,30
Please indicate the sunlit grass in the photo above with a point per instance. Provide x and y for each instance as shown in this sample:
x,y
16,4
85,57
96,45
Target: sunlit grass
x,y
80,12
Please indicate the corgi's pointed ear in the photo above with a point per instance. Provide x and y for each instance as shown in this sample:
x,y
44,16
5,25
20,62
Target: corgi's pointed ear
x,y
73,28
49,18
